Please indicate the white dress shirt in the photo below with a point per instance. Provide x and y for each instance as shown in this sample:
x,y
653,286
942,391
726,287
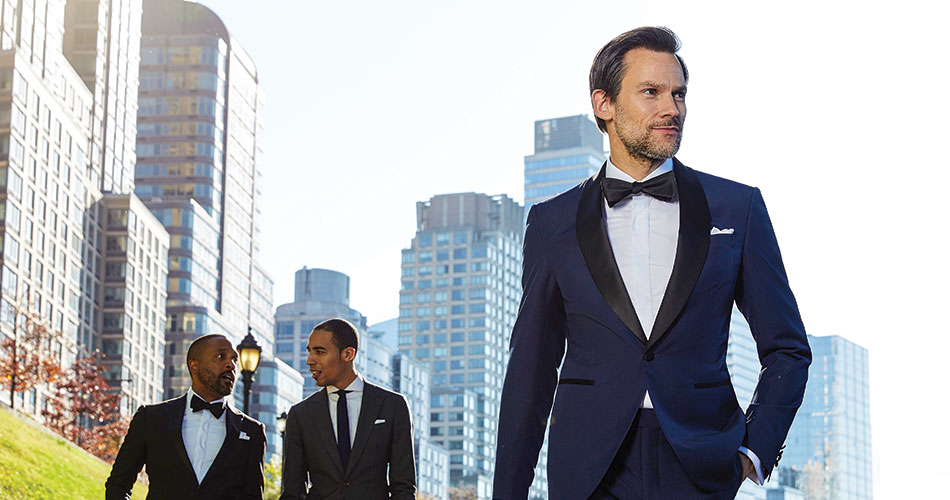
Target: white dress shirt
x,y
203,435
354,401
643,233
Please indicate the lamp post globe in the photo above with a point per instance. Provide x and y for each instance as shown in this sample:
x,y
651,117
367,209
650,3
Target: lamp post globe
x,y
249,352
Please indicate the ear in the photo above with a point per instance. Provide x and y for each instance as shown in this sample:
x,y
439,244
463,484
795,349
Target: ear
x,y
349,354
603,106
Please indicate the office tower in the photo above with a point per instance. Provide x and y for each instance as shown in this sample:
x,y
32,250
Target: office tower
x,y
829,443
133,307
321,294
567,150
198,170
101,41
461,285
412,379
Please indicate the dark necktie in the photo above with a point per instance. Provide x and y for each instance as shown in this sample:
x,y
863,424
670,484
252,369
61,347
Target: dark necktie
x,y
343,428
661,187
198,404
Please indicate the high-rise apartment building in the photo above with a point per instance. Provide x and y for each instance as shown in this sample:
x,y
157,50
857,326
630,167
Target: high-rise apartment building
x,y
567,150
62,258
321,294
411,378
829,444
198,170
461,285
133,306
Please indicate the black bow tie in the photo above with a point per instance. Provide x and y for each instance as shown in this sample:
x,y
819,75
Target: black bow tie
x,y
661,187
198,404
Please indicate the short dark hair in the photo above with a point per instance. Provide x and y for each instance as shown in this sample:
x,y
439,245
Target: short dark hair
x,y
197,346
606,73
343,333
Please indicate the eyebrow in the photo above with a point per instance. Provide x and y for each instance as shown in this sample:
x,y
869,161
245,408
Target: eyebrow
x,y
649,84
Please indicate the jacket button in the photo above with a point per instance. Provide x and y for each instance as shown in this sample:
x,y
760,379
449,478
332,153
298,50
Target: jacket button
x,y
648,356
346,484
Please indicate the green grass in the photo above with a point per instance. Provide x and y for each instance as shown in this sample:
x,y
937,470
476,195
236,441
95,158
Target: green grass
x,y
37,464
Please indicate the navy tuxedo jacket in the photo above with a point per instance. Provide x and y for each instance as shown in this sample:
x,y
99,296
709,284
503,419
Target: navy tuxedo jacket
x,y
574,296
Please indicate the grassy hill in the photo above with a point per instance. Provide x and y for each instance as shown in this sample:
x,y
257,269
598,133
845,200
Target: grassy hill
x,y
37,464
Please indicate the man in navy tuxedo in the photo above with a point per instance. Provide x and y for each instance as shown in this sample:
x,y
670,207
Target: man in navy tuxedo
x,y
629,281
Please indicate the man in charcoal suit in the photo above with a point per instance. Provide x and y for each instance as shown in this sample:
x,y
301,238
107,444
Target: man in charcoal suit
x,y
636,271
196,446
346,436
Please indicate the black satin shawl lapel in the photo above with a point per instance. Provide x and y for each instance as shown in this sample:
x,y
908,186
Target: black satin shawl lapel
x,y
691,249
599,256
176,415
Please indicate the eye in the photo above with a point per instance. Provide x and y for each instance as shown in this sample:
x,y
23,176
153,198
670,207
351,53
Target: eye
x,y
679,95
649,91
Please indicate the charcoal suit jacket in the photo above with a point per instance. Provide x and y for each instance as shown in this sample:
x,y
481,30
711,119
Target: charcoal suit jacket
x,y
383,441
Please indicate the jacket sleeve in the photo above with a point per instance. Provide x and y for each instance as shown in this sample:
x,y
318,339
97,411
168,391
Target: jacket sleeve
x,y
294,473
765,299
254,474
536,350
402,469
129,460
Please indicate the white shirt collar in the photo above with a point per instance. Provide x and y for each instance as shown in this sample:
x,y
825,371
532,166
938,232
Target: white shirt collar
x,y
355,386
613,172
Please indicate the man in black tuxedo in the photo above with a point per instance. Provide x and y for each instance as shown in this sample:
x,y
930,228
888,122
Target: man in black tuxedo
x,y
346,435
195,446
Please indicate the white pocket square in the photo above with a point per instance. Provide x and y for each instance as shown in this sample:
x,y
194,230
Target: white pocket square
x,y
715,230
244,436
379,421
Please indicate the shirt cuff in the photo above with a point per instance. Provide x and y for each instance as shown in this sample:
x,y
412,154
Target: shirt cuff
x,y
757,479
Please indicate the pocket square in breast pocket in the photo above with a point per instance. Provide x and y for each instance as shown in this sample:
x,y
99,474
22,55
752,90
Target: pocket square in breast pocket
x,y
244,437
715,230
379,421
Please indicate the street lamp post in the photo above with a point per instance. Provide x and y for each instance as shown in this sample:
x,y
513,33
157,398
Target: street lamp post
x,y
249,352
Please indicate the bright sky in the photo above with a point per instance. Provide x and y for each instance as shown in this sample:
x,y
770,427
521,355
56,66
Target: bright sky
x,y
836,110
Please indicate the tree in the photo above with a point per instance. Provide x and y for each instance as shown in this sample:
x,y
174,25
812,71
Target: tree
x,y
32,355
466,492
272,478
83,410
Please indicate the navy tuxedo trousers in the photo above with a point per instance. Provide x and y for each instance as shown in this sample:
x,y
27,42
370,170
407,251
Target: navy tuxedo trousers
x,y
646,468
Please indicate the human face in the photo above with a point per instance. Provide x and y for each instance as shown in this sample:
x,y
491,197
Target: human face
x,y
215,368
328,365
649,111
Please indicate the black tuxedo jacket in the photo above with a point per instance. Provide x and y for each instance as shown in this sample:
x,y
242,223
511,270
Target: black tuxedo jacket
x,y
154,440
383,437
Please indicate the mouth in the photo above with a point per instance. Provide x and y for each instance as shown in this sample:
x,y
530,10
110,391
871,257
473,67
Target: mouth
x,y
667,130
228,378
316,373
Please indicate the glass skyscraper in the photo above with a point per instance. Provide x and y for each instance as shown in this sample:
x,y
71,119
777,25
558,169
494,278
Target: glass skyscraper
x,y
567,150
829,444
321,294
198,170
460,292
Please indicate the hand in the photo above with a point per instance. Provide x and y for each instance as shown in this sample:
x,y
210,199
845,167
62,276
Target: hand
x,y
747,467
